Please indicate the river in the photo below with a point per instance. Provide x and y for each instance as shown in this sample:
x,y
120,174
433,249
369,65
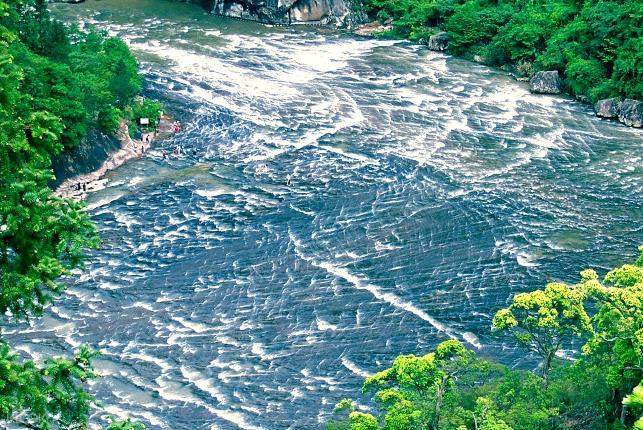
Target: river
x,y
339,201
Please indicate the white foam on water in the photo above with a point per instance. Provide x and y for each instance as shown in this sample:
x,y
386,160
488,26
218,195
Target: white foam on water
x,y
141,305
174,391
192,325
526,260
103,202
203,383
123,414
376,291
308,61
324,325
355,368
472,339
124,219
164,365
239,80
259,350
296,393
71,341
359,157
379,246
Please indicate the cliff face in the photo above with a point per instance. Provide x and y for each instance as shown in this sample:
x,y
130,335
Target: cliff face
x,y
337,12
88,156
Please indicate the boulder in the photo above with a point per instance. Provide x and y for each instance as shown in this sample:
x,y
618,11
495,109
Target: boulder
x,y
439,41
547,82
607,108
630,112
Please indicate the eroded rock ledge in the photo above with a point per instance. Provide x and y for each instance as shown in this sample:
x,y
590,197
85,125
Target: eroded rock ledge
x,y
335,12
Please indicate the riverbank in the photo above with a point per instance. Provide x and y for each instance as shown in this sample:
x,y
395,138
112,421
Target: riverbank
x,y
627,111
594,47
77,187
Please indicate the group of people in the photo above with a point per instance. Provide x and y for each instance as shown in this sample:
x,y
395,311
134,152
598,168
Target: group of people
x,y
78,186
177,151
146,138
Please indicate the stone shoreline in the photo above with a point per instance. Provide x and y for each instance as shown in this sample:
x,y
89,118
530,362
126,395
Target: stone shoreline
x,y
77,187
628,112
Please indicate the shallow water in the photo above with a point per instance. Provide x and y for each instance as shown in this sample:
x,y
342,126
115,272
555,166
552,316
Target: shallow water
x,y
341,201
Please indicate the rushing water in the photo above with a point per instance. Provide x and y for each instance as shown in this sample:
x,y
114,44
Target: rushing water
x,y
341,201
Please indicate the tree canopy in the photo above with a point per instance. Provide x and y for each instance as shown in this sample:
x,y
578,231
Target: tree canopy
x,y
47,100
596,45
452,388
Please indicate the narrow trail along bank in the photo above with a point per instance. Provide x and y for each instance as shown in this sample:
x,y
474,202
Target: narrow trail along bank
x,y
78,186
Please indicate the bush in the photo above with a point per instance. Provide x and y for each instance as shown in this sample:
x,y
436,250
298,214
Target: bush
x,y
474,24
628,69
110,119
584,75
527,32
146,108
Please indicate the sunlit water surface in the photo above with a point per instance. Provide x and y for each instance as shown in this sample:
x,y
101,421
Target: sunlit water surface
x,y
340,201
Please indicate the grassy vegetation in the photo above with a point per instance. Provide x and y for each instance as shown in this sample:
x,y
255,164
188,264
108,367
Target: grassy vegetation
x,y
596,45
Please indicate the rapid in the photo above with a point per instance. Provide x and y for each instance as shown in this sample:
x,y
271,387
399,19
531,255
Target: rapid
x,y
338,201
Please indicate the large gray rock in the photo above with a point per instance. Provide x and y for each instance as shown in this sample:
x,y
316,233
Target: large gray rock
x,y
439,41
338,12
630,112
546,83
607,108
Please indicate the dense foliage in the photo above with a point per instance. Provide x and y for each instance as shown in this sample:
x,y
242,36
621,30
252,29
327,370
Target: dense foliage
x,y
596,45
80,77
452,388
54,82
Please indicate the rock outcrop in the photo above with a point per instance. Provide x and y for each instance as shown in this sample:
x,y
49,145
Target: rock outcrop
x,y
547,82
338,12
630,112
371,29
438,42
607,108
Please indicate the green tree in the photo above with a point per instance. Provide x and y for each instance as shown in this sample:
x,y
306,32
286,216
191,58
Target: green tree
x,y
452,389
413,389
41,236
487,416
543,319
635,401
616,347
